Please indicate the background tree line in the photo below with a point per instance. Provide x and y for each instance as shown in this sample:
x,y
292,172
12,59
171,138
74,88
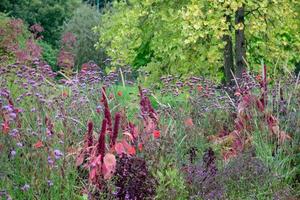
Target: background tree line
x,y
179,37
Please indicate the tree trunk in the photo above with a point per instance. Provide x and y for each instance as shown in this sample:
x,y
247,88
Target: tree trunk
x,y
228,54
240,43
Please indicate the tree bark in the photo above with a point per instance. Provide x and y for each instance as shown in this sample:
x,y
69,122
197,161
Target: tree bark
x,y
228,54
240,43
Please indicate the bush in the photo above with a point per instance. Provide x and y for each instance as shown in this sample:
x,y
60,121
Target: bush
x,y
133,180
49,53
13,39
50,14
81,24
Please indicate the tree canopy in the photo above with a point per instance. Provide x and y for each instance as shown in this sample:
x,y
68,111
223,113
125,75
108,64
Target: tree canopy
x,y
186,37
48,13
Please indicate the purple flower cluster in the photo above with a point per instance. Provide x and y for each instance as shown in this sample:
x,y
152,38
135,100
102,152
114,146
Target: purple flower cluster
x,y
25,187
58,154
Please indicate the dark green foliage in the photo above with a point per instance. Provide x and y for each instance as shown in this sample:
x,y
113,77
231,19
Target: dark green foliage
x,y
49,54
49,13
143,56
97,3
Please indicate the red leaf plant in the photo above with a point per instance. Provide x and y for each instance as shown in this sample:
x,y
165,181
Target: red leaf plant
x,y
36,30
238,139
101,164
150,117
66,57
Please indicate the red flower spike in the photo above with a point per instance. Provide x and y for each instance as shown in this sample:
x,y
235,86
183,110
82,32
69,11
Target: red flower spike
x,y
146,107
133,130
107,114
115,130
88,143
101,140
90,134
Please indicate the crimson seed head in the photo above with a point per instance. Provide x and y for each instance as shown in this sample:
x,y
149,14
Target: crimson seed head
x,y
90,134
107,114
116,129
101,140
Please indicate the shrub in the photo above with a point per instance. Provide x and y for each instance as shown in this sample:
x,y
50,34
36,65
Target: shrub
x,y
49,53
50,14
133,180
16,42
65,58
81,24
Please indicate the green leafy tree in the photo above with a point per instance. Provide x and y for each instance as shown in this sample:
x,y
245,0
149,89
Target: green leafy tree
x,y
99,4
81,24
186,37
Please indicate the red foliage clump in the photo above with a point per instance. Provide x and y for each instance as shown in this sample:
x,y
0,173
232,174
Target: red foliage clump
x,y
100,163
66,57
250,107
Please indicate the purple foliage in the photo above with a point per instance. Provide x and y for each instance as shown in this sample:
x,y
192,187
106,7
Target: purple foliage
x,y
132,179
